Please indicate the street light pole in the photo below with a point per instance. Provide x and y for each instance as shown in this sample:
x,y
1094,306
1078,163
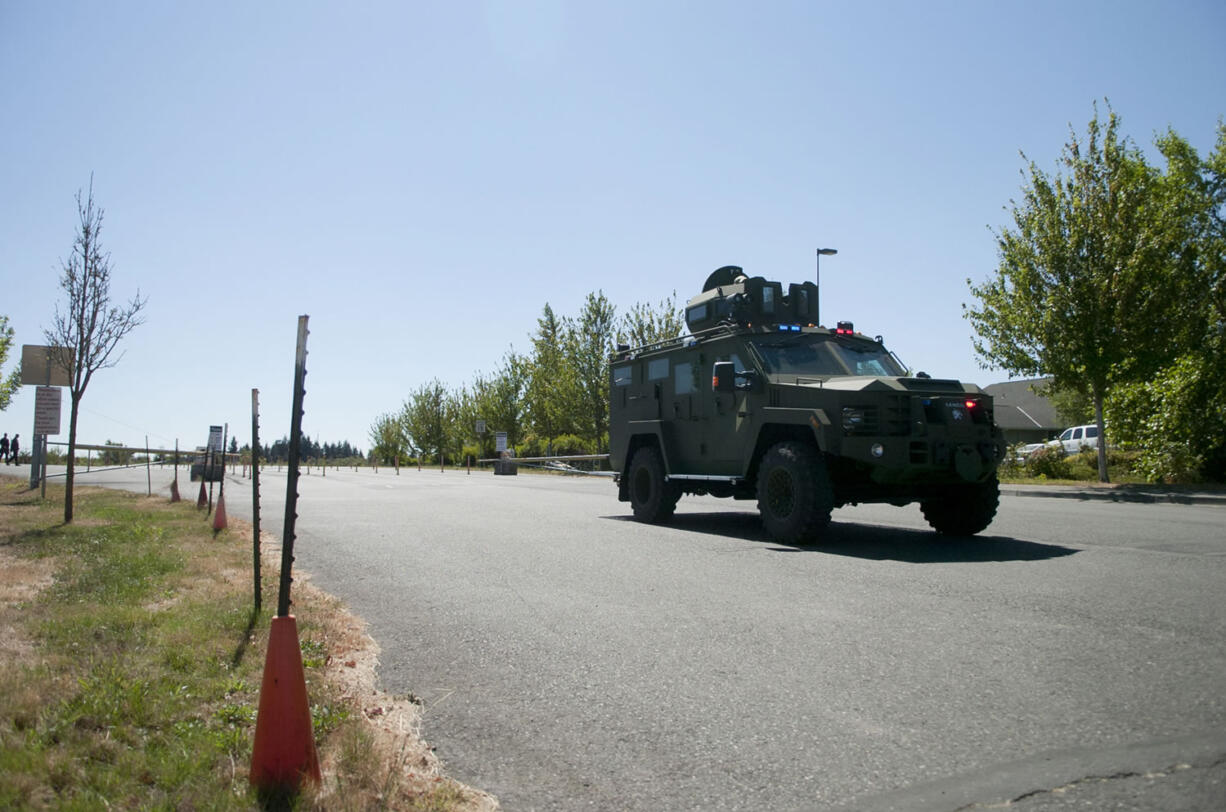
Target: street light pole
x,y
820,253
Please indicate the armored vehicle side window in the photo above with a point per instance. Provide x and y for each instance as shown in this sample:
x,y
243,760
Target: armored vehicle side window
x,y
622,375
683,379
657,369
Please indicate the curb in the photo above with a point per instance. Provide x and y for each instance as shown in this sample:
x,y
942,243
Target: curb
x,y
1115,495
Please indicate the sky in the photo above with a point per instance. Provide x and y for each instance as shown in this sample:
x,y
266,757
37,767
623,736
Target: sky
x,y
420,179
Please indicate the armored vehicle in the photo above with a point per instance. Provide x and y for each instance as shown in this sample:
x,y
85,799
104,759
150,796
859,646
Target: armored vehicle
x,y
759,402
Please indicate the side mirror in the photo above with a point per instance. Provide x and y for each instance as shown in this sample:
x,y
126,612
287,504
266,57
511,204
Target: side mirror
x,y
723,377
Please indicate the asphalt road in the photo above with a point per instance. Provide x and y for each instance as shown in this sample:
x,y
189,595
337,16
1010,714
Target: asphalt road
x,y
569,658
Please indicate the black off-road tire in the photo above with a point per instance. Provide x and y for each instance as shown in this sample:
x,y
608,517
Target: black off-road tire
x,y
794,493
963,510
652,497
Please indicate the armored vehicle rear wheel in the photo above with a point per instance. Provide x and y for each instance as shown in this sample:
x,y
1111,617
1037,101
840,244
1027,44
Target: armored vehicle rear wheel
x,y
652,497
794,493
963,510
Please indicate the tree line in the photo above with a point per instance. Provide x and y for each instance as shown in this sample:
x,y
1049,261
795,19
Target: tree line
x,y
1112,280
278,452
552,399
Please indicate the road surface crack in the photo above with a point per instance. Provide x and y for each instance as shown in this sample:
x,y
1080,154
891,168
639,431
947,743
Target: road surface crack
x,y
1093,779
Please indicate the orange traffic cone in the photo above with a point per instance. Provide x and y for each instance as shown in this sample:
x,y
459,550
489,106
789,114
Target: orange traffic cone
x,y
284,749
174,491
202,501
219,516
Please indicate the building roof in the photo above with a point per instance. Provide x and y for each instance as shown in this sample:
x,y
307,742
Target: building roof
x,y
1018,406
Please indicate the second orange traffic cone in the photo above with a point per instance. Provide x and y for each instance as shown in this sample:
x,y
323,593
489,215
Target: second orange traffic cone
x,y
219,515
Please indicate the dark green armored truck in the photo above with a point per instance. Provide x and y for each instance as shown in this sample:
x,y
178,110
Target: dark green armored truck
x,y
758,402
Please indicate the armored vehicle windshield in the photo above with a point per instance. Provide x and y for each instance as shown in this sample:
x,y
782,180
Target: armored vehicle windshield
x,y
825,355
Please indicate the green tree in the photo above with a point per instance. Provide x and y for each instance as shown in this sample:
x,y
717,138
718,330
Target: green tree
x,y
9,383
387,439
464,402
428,417
552,392
1177,417
589,345
1085,289
498,400
90,327
465,408
647,324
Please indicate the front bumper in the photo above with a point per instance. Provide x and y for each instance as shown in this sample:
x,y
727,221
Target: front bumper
x,y
934,458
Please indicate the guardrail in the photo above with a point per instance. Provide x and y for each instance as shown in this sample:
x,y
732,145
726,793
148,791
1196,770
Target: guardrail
x,y
559,464
130,449
184,454
564,458
166,457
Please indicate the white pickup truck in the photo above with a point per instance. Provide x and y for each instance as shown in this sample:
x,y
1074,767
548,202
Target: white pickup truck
x,y
1072,440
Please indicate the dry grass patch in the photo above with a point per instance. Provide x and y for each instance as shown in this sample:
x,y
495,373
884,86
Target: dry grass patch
x,y
21,581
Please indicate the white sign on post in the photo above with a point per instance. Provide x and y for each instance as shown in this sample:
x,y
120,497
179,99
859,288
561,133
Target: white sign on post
x,y
215,438
47,410
500,441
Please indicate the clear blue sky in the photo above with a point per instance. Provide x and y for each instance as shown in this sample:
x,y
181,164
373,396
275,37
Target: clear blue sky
x,y
421,178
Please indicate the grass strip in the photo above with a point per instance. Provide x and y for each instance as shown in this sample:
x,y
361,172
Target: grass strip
x,y
131,663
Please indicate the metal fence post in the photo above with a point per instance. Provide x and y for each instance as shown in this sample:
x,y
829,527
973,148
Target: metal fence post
x,y
291,486
255,493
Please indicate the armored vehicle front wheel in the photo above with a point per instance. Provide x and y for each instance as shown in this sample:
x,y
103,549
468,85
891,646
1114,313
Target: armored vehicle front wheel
x,y
794,493
652,497
963,510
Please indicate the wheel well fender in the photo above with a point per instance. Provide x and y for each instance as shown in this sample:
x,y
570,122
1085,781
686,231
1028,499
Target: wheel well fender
x,y
637,441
